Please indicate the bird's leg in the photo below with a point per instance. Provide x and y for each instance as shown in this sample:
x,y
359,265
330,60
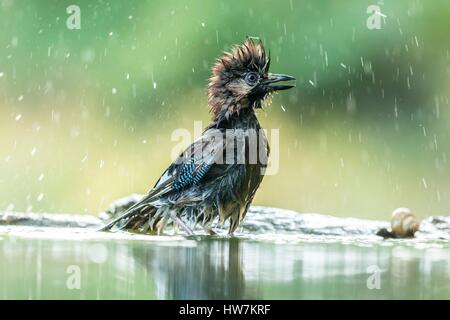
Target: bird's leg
x,y
175,229
180,223
161,225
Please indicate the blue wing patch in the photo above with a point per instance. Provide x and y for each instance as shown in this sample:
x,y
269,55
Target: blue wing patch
x,y
190,173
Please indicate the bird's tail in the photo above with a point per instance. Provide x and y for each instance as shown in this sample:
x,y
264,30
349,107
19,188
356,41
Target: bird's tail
x,y
134,217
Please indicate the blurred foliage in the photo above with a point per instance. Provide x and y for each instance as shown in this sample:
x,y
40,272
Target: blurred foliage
x,y
86,115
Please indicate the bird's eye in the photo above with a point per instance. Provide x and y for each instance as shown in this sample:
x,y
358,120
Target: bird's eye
x,y
251,78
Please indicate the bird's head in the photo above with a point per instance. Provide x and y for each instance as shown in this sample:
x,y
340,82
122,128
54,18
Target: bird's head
x,y
241,79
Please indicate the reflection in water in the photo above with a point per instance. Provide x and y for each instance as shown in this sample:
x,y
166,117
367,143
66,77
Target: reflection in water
x,y
205,268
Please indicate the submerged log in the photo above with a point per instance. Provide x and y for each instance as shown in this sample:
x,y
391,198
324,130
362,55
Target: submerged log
x,y
259,220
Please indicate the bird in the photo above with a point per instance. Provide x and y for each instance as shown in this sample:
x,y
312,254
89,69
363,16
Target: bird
x,y
215,179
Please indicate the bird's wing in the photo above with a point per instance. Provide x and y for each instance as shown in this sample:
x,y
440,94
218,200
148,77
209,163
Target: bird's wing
x,y
193,164
191,167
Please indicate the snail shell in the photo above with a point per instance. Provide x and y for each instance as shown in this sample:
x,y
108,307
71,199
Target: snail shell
x,y
404,223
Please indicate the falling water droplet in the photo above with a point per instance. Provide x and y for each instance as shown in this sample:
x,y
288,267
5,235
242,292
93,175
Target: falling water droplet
x,y
424,182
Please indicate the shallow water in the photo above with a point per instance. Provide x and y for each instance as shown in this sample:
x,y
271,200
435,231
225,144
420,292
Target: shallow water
x,y
44,263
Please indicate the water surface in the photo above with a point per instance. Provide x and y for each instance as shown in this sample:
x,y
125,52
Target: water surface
x,y
39,263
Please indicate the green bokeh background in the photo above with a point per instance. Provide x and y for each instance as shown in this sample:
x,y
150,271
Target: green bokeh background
x,y
86,115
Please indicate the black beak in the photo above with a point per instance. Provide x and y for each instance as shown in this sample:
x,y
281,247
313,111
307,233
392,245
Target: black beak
x,y
274,78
